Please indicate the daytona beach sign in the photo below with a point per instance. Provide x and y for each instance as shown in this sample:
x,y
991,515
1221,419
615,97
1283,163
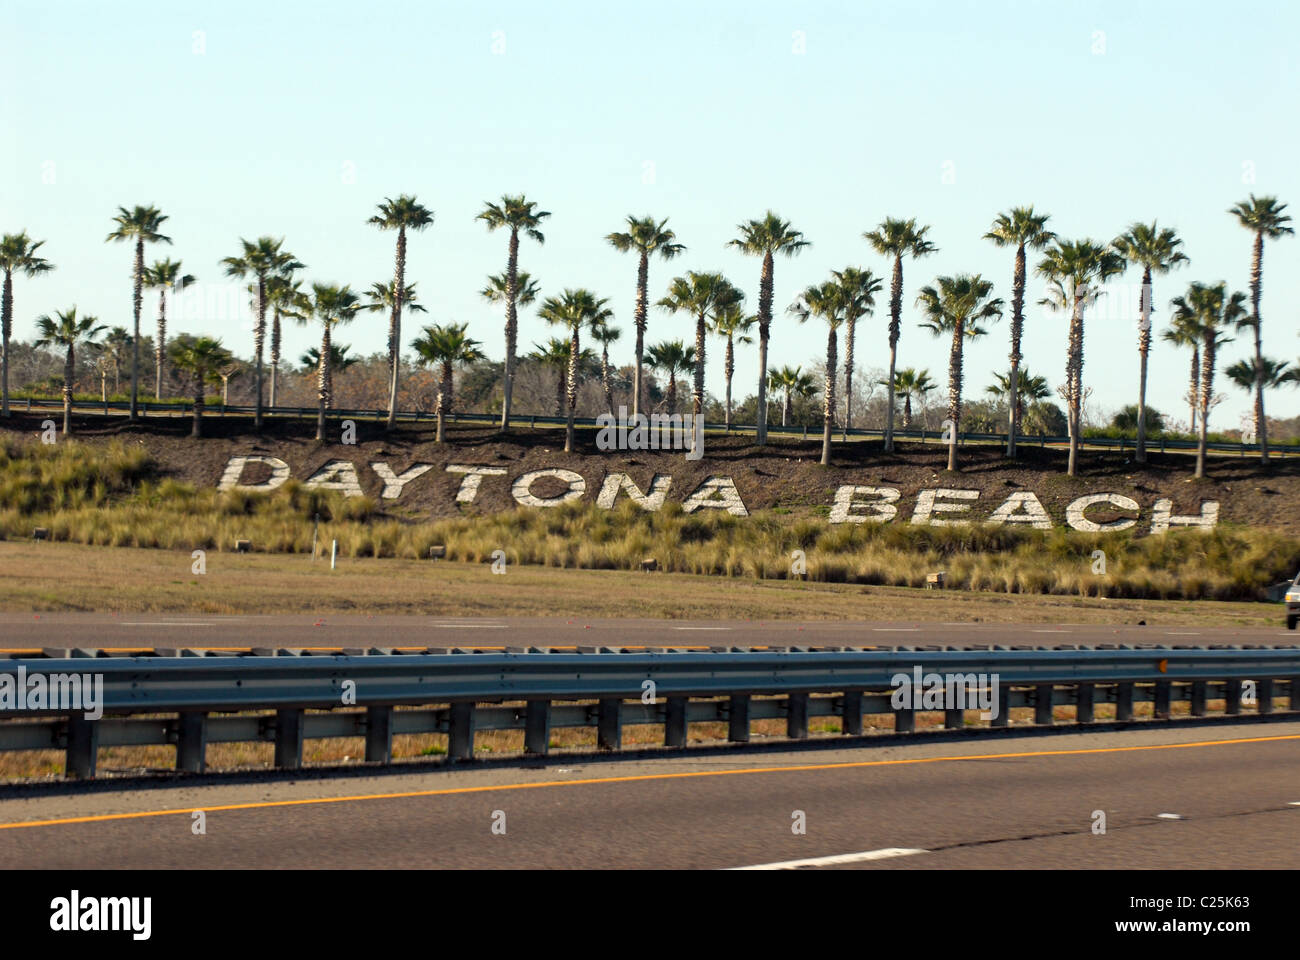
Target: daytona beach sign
x,y
850,503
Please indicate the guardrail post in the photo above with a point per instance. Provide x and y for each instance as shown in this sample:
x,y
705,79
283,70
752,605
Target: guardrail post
x,y
738,718
83,748
1124,701
852,722
1043,696
609,725
1004,707
537,727
1264,690
796,716
1085,697
379,734
1295,694
904,720
288,739
675,723
1232,697
192,742
1160,708
1198,698
460,734
954,719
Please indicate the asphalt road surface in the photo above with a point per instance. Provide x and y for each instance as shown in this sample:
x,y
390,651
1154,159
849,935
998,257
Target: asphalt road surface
x,y
1173,799
126,633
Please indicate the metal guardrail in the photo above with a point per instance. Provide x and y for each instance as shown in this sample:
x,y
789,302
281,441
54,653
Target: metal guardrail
x,y
185,408
729,685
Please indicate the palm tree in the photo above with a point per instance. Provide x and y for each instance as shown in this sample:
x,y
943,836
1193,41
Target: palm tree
x,y
262,260
897,238
763,238
956,306
17,254
1263,217
116,347
555,355
446,346
732,323
791,382
67,330
1156,251
227,372
404,213
672,357
1025,386
573,310
139,225
1210,311
1182,333
287,300
1244,374
1076,270
517,214
604,334
383,298
861,287
699,295
1023,229
830,302
164,275
339,360
330,306
910,383
204,359
646,236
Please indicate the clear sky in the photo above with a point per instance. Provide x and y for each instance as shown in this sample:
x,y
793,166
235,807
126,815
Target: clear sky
x,y
239,119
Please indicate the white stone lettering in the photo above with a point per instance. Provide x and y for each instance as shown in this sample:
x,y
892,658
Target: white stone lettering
x,y
522,489
1075,512
882,508
926,506
653,500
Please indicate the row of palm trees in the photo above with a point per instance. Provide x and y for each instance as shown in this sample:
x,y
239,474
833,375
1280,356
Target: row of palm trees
x,y
953,306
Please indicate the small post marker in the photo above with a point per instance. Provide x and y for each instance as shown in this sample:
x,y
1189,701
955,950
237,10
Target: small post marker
x,y
334,552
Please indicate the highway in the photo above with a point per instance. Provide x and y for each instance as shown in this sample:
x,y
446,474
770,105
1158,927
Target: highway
x,y
126,633
1175,799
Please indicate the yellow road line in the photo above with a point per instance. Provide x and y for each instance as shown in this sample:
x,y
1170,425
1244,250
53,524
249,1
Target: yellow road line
x,y
452,791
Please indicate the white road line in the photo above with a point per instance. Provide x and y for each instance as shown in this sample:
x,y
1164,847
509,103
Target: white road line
x,y
165,623
882,854
1051,631
1169,816
701,628
470,626
1181,633
896,629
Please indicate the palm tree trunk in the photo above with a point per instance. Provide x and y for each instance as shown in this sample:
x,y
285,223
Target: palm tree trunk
x,y
828,400
605,378
444,398
895,328
259,335
764,328
395,325
729,367
103,385
1074,382
1017,330
574,357
1207,386
697,397
512,290
137,298
638,378
159,348
323,383
954,391
199,377
1193,390
68,365
907,410
275,352
1144,348
787,408
672,390
848,375
6,328
1256,287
